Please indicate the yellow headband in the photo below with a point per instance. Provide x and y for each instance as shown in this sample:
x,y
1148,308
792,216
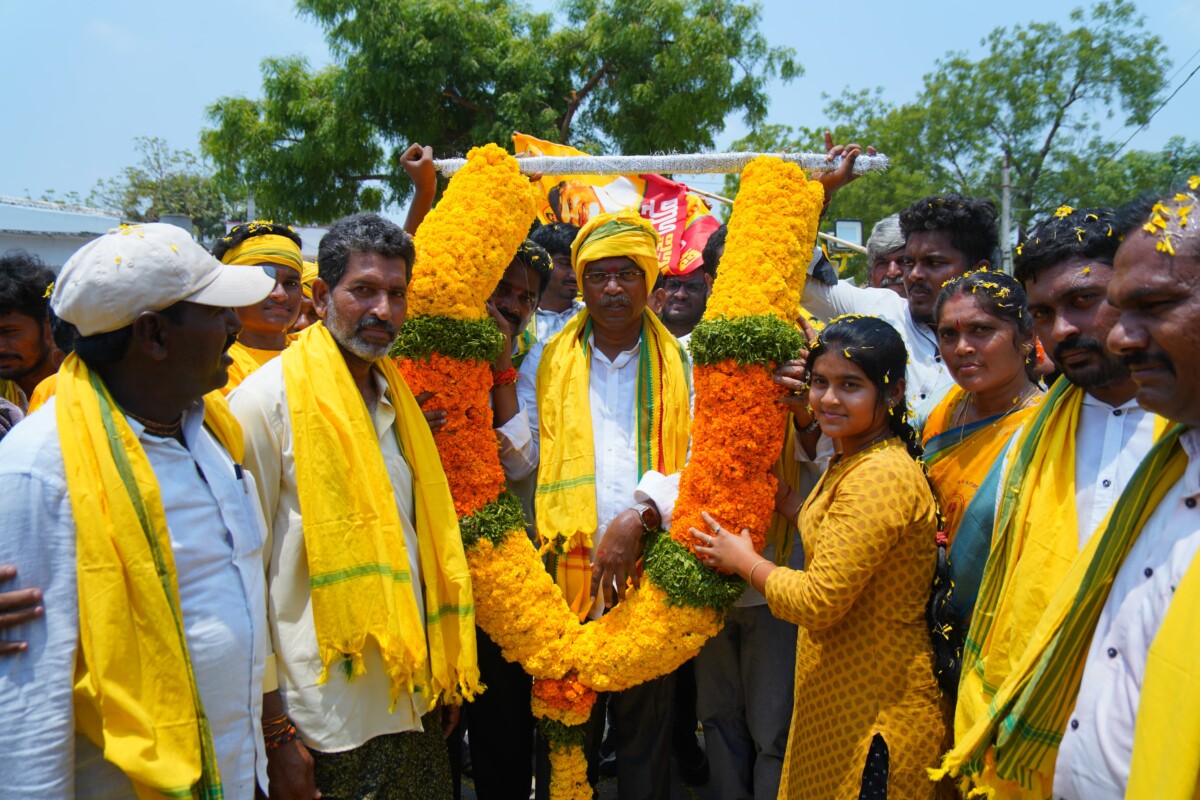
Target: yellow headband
x,y
266,249
307,276
624,233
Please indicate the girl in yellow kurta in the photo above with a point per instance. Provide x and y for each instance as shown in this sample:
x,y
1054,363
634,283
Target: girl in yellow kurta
x,y
867,721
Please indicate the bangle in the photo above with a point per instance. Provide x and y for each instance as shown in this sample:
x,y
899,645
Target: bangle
x,y
279,738
504,377
752,569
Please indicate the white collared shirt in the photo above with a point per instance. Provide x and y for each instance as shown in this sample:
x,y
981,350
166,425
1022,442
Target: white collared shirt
x,y
1110,442
612,395
546,323
216,534
337,715
927,377
1094,757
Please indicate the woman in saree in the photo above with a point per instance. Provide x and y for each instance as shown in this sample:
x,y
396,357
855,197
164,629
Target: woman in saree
x,y
985,335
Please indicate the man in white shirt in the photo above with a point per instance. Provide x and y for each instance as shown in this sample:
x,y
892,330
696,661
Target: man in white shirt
x,y
945,236
560,300
355,736
1155,286
152,310
616,268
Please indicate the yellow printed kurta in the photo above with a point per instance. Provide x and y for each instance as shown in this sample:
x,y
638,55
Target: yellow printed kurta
x,y
864,664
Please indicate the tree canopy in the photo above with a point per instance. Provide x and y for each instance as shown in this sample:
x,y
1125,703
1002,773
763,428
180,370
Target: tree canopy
x,y
617,76
1037,96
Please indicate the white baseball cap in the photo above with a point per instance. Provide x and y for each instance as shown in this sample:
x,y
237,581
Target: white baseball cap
x,y
136,268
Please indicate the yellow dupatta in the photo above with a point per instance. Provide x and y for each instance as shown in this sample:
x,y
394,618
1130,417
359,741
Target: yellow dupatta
x,y
566,492
247,360
357,559
1009,751
959,457
135,692
1166,737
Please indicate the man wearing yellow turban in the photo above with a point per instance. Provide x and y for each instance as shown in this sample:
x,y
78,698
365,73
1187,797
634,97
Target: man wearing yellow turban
x,y
266,326
613,398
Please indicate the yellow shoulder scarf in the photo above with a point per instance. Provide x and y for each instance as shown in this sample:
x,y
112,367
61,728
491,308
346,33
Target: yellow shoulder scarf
x,y
1010,750
135,692
1166,738
12,393
357,559
43,392
566,492
247,360
959,458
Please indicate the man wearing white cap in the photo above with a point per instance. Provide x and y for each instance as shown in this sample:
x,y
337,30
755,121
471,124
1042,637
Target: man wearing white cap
x,y
126,503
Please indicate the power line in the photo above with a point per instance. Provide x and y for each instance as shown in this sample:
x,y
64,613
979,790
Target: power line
x,y
1141,127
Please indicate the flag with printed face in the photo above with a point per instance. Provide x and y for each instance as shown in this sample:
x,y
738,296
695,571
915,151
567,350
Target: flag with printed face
x,y
683,221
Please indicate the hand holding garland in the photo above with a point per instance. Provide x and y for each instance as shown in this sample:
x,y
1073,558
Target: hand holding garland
x,y
418,163
504,391
844,174
733,553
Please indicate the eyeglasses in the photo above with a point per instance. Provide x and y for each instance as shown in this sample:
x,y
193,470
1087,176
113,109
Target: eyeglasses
x,y
625,277
693,288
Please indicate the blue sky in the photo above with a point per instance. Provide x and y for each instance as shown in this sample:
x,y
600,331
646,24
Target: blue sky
x,y
83,78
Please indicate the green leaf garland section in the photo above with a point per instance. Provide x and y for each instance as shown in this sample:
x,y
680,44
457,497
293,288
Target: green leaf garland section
x,y
761,340
559,735
671,567
493,522
477,339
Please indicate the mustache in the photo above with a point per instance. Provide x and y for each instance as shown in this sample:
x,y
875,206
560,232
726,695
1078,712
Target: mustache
x,y
372,321
1140,358
894,281
230,340
1077,342
615,300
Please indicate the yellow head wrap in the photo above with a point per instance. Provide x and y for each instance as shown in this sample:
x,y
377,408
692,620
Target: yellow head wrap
x,y
307,276
624,233
268,248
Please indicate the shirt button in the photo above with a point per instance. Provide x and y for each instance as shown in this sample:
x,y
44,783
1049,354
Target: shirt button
x,y
1106,483
1112,652
1118,412
1190,502
1148,571
1074,724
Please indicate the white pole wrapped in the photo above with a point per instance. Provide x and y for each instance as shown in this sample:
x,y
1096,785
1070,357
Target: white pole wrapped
x,y
674,164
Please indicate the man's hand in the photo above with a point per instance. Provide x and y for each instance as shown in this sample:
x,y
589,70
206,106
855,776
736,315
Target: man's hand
x,y
617,557
290,773
504,360
418,163
435,418
16,608
793,376
844,174
450,717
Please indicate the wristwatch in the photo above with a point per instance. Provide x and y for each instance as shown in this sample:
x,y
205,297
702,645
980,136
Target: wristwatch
x,y
649,515
811,427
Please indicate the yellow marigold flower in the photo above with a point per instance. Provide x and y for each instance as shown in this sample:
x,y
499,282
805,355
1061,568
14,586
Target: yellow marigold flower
x,y
771,236
469,239
1194,182
1063,211
1165,245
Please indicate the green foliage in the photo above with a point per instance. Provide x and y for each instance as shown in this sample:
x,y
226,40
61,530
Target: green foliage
x,y
746,340
165,181
1037,95
420,337
618,75
687,582
559,735
494,522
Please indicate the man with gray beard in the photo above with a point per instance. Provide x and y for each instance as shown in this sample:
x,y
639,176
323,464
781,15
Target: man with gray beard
x,y
328,427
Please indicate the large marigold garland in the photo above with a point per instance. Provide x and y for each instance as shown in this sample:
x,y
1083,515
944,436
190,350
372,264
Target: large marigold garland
x,y
463,247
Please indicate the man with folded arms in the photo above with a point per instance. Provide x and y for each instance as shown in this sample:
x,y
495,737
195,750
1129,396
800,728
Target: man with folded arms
x,y
125,501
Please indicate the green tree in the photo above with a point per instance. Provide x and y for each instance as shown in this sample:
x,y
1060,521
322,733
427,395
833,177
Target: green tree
x,y
618,75
1036,97
165,181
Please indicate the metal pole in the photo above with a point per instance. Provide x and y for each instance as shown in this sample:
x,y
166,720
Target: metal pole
x,y
1006,215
